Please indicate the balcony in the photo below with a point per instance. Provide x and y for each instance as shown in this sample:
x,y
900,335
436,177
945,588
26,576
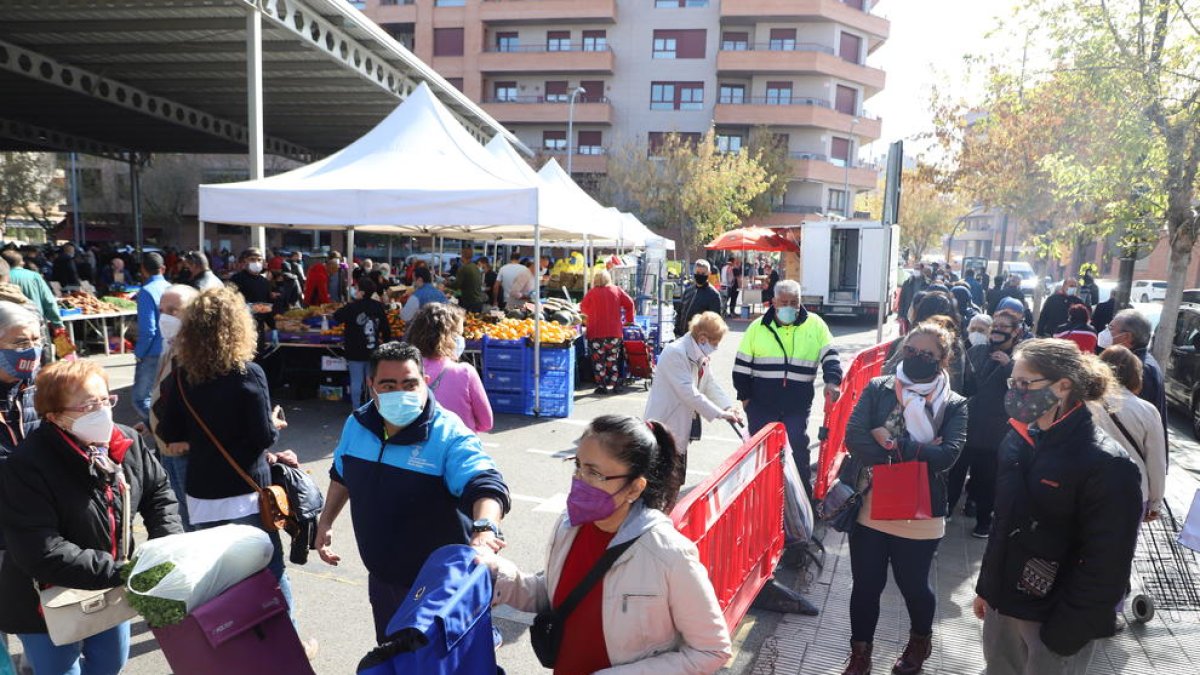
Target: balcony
x,y
500,12
817,168
537,110
801,59
572,58
791,111
754,11
391,11
593,160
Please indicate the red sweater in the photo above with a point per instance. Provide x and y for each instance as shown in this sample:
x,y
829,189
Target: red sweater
x,y
603,306
583,650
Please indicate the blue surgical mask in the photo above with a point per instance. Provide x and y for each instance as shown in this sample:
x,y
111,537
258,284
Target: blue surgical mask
x,y
460,346
787,315
399,407
21,363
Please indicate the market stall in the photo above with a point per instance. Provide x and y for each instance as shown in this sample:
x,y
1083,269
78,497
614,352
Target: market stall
x,y
752,239
90,319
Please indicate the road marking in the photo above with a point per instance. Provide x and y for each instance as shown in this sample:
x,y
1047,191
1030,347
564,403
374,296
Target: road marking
x,y
491,445
526,498
555,504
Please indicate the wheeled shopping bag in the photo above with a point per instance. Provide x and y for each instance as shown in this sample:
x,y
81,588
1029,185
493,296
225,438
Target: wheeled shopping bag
x,y
444,626
243,631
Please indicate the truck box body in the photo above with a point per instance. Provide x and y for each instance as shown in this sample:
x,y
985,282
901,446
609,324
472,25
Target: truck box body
x,y
844,265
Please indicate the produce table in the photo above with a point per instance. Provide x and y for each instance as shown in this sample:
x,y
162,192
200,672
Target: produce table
x,y
100,324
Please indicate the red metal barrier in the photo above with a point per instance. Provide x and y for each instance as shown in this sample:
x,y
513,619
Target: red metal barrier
x,y
867,364
735,517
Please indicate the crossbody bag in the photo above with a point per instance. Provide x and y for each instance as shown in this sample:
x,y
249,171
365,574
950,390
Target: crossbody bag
x,y
273,506
547,631
1128,436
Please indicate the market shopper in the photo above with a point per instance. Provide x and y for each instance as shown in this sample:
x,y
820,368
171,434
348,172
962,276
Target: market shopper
x,y
731,282
437,331
255,288
171,308
115,276
202,277
1068,502
1130,329
424,292
512,281
1135,425
468,281
684,387
60,512
149,345
316,285
34,287
699,298
366,327
654,610
607,309
1078,328
777,363
489,280
65,271
216,385
338,276
1055,308
416,478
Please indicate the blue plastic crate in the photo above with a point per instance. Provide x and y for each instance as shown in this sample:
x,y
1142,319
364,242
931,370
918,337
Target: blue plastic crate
x,y
505,354
506,380
557,359
517,403
552,406
556,384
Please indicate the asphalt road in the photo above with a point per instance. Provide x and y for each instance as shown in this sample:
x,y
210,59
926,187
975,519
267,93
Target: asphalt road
x,y
332,601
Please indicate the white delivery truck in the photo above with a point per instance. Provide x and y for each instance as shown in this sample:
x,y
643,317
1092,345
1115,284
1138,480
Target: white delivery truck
x,y
844,264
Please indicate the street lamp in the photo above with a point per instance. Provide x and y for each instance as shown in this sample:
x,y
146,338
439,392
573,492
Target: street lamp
x,y
571,123
849,159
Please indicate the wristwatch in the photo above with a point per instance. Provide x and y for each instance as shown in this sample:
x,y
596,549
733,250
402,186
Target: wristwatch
x,y
486,525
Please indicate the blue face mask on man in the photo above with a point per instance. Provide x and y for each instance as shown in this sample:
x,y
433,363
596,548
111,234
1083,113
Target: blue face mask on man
x,y
21,364
787,315
399,407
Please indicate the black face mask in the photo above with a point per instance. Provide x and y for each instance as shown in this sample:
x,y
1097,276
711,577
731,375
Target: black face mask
x,y
999,337
701,279
920,369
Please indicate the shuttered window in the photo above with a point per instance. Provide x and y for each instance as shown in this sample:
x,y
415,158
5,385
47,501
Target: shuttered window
x,y
447,42
850,48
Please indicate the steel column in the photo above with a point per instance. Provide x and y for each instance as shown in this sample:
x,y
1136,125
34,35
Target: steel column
x,y
254,112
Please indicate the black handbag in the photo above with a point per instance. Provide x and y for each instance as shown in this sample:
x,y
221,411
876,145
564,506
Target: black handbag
x,y
547,629
843,501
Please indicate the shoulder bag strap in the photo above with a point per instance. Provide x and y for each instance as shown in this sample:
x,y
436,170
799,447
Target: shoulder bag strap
x,y
211,436
126,517
1128,436
594,575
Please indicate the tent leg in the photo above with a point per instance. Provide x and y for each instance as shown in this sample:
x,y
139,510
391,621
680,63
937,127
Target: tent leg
x,y
587,245
537,319
254,105
135,195
350,265
200,236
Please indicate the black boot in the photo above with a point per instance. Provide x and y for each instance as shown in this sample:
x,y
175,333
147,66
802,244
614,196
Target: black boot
x,y
918,649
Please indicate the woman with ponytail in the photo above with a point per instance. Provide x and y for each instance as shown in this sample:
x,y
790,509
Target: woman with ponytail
x,y
654,609
1068,502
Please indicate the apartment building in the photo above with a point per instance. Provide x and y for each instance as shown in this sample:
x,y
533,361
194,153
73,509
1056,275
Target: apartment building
x,y
638,69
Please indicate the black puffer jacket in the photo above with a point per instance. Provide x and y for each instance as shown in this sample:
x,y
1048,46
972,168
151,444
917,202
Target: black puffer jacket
x,y
985,383
19,420
61,518
1066,498
873,409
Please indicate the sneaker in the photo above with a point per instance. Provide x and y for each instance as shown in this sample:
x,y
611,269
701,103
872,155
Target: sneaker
x,y
981,531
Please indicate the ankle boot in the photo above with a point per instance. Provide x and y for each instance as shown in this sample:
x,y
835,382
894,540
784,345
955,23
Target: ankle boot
x,y
918,649
859,662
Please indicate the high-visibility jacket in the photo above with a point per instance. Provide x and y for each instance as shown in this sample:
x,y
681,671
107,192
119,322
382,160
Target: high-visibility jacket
x,y
777,364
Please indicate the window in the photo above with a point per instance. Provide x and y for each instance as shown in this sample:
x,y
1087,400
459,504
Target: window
x,y
676,95
729,142
847,100
850,48
593,91
505,91
679,44
779,93
556,91
558,40
507,42
839,151
783,40
732,93
662,96
449,3
857,4
836,203
735,42
456,82
595,41
554,141
447,42
680,3
691,96
590,143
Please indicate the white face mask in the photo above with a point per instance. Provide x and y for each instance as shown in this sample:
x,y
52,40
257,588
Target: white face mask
x,y
706,348
1105,339
977,338
95,427
254,267
460,346
169,326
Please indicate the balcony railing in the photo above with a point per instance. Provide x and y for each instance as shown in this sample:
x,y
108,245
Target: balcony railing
x,y
539,49
809,155
387,3
774,100
588,150
796,208
776,47
552,98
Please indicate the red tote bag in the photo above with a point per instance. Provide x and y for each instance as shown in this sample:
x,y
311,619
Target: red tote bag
x,y
900,491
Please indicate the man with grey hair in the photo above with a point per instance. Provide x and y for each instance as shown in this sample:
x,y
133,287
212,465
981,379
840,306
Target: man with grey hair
x,y
1132,330
202,276
699,298
174,300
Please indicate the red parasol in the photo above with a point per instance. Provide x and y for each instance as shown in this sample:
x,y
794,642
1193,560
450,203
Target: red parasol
x,y
753,239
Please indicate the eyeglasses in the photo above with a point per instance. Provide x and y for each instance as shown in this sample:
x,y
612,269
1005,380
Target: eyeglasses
x,y
589,475
94,405
1022,384
23,344
913,352
1004,326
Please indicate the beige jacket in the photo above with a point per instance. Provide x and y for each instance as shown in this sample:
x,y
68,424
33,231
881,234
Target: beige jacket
x,y
679,393
660,612
1142,421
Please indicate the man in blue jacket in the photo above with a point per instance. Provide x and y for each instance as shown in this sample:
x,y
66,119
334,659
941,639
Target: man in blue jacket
x,y
150,340
416,478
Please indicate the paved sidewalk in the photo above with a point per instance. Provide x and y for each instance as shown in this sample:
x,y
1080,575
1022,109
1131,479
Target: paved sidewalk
x,y
1169,644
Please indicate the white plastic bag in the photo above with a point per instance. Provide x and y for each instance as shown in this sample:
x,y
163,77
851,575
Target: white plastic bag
x,y
206,562
797,512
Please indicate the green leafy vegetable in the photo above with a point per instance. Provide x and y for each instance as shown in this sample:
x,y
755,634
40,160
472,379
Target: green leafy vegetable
x,y
158,612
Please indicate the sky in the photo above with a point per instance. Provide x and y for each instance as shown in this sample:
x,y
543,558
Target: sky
x,y
928,41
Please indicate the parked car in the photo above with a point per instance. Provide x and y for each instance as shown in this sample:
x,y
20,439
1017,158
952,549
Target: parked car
x,y
1183,369
1147,290
1192,295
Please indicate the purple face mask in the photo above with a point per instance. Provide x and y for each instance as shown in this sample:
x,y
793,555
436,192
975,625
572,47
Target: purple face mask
x,y
587,503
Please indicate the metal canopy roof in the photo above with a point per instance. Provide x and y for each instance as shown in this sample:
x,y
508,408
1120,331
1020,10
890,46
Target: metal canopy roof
x,y
110,77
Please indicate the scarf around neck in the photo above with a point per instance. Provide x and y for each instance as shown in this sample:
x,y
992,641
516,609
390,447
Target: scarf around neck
x,y
923,403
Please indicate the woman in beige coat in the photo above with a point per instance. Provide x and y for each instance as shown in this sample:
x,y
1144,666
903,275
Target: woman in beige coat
x,y
684,384
654,611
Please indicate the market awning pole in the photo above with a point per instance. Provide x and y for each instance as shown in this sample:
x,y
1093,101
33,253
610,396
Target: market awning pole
x,y
254,104
537,319
350,266
200,233
390,240
587,244
135,195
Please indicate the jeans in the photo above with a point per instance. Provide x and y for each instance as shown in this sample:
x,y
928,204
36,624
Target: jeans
x,y
385,598
276,564
796,423
358,379
144,374
176,468
1014,647
982,487
102,654
870,553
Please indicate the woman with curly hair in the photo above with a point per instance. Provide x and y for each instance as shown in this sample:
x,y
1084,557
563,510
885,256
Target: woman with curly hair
x,y
215,383
437,331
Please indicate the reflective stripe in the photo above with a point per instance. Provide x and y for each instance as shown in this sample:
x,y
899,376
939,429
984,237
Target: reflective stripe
x,y
790,376
743,370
